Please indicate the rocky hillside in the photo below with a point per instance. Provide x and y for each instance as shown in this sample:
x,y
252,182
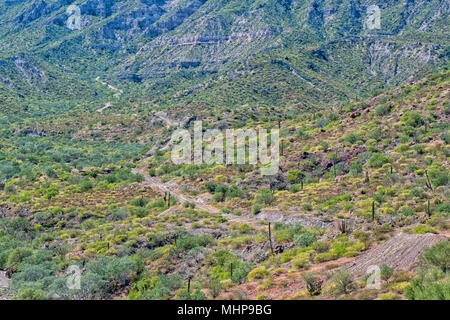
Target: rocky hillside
x,y
184,51
87,184
361,188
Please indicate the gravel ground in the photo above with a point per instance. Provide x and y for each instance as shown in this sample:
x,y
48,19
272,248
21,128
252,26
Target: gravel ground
x,y
399,252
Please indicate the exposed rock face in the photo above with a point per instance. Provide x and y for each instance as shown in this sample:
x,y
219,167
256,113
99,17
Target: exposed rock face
x,y
29,69
386,58
147,40
33,12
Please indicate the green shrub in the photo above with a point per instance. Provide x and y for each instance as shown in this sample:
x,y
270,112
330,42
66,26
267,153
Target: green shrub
x,y
139,202
416,192
352,138
265,197
295,176
438,177
383,110
305,239
377,160
388,296
256,209
301,261
343,282
326,256
17,256
356,168
443,207
258,273
30,294
438,255
446,137
189,242
313,283
86,185
386,272
211,187
431,284
157,288
321,246
413,119
423,229
406,211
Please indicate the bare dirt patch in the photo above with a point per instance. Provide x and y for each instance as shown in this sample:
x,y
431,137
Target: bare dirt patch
x,y
399,252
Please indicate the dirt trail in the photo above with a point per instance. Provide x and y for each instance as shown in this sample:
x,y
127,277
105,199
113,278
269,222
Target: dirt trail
x,y
115,95
156,184
161,187
106,106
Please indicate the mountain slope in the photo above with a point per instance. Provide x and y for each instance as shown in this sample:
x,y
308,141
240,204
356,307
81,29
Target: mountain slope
x,y
374,173
167,46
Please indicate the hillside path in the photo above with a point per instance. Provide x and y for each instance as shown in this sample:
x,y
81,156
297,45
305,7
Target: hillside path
x,y
162,188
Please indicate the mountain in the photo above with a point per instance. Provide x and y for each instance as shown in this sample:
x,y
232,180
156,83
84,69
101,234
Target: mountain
x,y
220,52
358,189
91,92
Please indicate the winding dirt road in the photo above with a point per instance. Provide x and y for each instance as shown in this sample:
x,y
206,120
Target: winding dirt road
x,y
158,186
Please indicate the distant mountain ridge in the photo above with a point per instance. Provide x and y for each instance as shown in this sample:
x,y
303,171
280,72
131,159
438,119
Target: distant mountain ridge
x,y
166,47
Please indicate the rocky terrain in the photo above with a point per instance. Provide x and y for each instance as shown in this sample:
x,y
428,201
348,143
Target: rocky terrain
x,y
87,181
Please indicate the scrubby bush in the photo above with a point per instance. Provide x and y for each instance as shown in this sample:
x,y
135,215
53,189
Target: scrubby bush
x,y
156,288
226,265
258,273
413,119
295,176
186,243
265,197
377,160
313,283
343,282
438,177
256,209
431,284
438,255
301,261
383,110
386,272
423,229
30,294
352,138
356,168
304,239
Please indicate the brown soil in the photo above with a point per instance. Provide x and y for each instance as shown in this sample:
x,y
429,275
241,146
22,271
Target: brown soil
x,y
399,252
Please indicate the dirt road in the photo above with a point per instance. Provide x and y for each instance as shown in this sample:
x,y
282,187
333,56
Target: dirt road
x,y
157,185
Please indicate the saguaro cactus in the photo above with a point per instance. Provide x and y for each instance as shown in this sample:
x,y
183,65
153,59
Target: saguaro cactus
x,y
373,210
270,238
189,284
428,183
